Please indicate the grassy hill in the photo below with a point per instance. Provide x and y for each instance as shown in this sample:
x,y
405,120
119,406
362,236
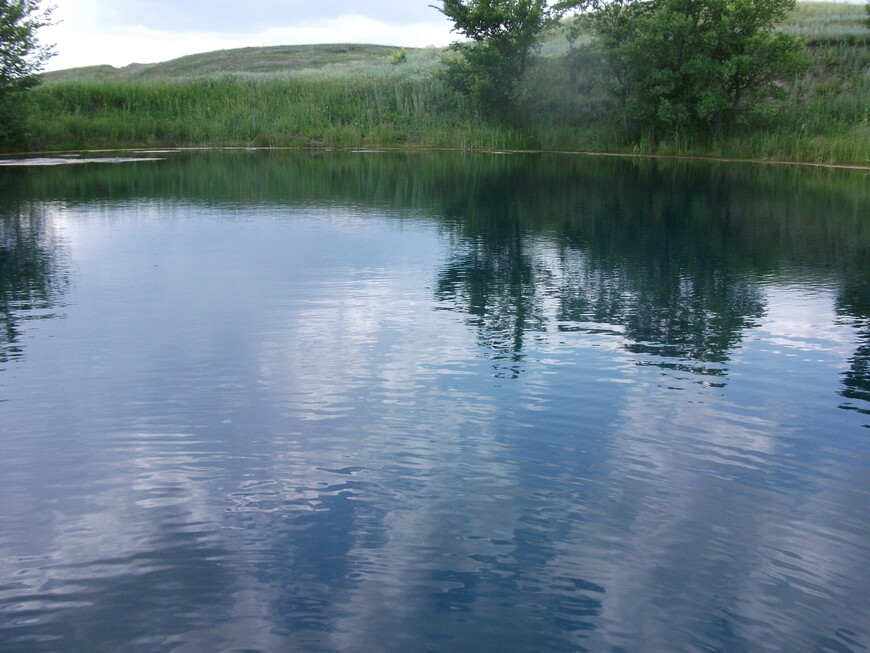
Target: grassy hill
x,y
370,96
281,59
819,23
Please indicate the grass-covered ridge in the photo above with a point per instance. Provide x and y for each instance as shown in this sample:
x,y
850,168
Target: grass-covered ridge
x,y
376,96
282,59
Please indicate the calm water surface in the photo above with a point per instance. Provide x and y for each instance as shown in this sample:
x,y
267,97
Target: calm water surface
x,y
381,402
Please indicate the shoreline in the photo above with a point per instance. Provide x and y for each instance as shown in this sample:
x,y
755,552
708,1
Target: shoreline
x,y
362,149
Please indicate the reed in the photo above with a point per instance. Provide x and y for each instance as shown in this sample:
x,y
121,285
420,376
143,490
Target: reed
x,y
390,101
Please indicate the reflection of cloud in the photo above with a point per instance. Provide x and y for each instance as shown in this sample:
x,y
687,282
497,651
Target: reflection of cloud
x,y
717,532
357,339
111,519
325,460
60,161
804,320
350,364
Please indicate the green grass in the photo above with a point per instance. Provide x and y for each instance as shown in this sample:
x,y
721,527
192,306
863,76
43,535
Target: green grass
x,y
827,22
383,108
355,96
824,115
282,60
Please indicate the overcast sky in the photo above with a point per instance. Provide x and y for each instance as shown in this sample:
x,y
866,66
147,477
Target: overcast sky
x,y
119,32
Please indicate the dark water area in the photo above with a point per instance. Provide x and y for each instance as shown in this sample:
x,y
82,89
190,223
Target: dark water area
x,y
278,401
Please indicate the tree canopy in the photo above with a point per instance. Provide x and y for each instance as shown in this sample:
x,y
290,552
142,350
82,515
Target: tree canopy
x,y
684,65
21,57
502,35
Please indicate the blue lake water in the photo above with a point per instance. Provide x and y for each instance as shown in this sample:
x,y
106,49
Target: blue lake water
x,y
277,401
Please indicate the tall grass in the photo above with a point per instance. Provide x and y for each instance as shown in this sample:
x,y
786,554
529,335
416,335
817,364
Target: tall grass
x,y
826,21
240,110
825,114
401,106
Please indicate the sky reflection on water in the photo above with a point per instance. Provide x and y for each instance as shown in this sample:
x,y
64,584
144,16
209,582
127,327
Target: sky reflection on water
x,y
430,417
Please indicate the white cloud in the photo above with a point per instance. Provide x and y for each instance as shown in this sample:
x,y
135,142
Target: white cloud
x,y
88,34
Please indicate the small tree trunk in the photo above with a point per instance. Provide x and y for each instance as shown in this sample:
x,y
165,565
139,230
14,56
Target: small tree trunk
x,y
735,105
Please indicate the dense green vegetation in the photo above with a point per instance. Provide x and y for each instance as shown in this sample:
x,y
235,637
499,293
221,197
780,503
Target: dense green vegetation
x,y
689,66
21,56
500,38
360,96
821,114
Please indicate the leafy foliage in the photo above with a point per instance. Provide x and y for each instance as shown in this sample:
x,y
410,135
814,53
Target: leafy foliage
x,y
350,96
503,35
399,57
693,65
21,57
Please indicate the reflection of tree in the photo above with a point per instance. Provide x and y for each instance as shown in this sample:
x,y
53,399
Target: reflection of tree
x,y
496,283
30,281
667,308
855,301
857,379
662,259
492,273
667,251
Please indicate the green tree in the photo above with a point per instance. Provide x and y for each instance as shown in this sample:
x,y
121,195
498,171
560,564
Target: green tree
x,y
22,56
692,65
502,36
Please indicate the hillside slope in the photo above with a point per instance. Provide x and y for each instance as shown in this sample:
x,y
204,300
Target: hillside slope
x,y
275,59
818,23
